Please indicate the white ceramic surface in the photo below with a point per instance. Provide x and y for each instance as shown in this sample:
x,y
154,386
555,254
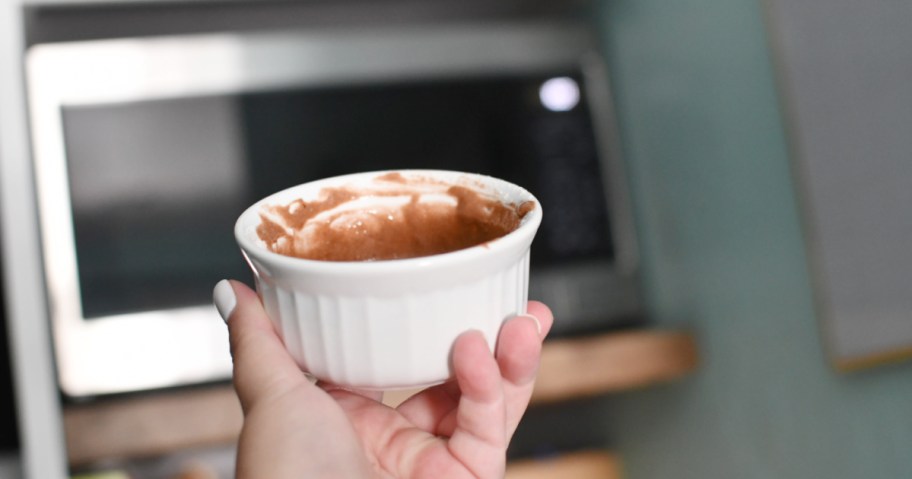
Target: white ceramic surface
x,y
390,324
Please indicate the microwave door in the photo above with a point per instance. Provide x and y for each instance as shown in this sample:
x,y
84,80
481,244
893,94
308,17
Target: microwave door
x,y
147,150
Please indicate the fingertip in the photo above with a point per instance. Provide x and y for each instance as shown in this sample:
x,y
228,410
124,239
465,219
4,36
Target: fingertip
x,y
227,293
519,349
479,422
543,314
261,363
470,346
247,309
474,365
243,291
524,327
224,299
530,319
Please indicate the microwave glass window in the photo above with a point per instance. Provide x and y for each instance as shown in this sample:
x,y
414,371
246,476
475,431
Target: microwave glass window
x,y
155,189
157,185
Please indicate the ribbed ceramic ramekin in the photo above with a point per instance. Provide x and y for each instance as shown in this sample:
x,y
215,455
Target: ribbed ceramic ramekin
x,y
390,324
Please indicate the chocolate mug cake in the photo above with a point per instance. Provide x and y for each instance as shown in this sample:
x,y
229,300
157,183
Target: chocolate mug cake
x,y
392,218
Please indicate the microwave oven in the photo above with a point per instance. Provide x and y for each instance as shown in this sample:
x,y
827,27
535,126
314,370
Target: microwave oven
x,y
147,149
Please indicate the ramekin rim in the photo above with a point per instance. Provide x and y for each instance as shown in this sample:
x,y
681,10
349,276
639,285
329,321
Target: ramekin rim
x,y
527,228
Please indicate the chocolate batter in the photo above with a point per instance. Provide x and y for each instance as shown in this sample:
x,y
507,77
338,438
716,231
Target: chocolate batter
x,y
399,218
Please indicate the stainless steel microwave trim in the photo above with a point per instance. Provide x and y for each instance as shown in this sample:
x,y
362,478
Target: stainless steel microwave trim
x,y
83,3
122,70
39,414
153,349
600,293
598,86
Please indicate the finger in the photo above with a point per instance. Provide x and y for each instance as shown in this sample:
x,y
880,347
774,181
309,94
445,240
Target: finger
x,y
479,440
433,410
518,349
544,316
262,365
518,352
398,446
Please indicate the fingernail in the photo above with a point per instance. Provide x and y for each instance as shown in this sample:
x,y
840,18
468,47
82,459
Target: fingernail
x,y
534,319
224,299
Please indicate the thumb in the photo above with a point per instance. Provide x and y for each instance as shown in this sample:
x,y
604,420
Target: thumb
x,y
262,366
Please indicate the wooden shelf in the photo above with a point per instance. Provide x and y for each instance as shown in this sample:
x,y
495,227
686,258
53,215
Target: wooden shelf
x,y
577,465
149,425
570,368
612,362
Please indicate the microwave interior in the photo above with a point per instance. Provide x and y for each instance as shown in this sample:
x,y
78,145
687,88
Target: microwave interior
x,y
153,182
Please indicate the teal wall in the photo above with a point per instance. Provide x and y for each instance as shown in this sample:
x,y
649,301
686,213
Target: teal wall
x,y
723,256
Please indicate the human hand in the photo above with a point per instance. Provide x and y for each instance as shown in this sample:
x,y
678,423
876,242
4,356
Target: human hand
x,y
294,428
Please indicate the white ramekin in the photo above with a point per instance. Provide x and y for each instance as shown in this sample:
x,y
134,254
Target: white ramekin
x,y
390,324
